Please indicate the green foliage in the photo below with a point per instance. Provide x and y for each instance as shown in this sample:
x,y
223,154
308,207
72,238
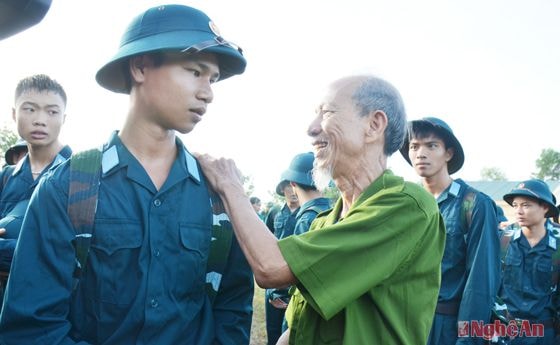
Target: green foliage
x,y
332,193
492,174
7,138
248,185
548,165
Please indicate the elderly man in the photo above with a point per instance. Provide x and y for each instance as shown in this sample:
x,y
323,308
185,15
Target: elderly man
x,y
368,271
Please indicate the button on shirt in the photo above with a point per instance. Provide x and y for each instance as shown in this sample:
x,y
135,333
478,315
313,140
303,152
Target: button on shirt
x,y
527,287
144,281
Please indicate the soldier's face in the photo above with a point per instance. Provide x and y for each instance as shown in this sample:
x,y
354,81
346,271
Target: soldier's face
x,y
429,156
39,116
528,211
178,92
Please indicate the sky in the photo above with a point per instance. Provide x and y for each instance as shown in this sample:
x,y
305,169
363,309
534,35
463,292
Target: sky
x,y
490,69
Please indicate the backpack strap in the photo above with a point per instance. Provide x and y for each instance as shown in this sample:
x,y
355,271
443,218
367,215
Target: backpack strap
x,y
468,206
85,174
556,256
222,236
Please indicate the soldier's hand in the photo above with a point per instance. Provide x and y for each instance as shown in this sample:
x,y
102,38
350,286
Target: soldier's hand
x,y
278,303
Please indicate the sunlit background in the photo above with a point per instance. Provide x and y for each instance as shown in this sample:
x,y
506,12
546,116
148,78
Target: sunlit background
x,y
491,69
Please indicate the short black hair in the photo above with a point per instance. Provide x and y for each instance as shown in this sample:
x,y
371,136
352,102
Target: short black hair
x,y
39,82
305,187
422,130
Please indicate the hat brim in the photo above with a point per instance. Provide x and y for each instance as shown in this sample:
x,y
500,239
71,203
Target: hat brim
x,y
280,187
553,211
298,177
9,155
458,159
113,75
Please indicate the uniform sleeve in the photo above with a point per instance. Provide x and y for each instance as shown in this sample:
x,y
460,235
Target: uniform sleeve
x,y
37,299
482,263
336,264
233,305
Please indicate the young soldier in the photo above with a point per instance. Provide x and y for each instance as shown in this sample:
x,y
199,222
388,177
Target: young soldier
x,y
144,281
39,112
470,266
530,250
367,272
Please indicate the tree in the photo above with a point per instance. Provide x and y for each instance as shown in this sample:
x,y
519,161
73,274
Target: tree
x,y
548,165
248,184
492,174
7,138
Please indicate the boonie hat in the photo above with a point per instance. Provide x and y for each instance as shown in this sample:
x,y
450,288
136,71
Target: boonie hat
x,y
20,145
536,189
442,128
299,171
173,28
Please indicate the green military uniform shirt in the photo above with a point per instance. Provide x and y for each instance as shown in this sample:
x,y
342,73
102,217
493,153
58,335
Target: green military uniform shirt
x,y
371,277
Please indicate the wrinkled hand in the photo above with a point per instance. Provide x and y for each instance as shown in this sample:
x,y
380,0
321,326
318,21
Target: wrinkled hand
x,y
278,303
220,172
504,225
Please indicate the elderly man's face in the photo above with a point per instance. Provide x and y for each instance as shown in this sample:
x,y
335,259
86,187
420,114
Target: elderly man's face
x,y
337,131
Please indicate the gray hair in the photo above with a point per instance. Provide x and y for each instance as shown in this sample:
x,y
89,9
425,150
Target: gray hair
x,y
377,94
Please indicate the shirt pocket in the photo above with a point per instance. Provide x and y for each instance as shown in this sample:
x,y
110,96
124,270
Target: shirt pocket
x,y
543,277
114,259
455,245
513,272
195,247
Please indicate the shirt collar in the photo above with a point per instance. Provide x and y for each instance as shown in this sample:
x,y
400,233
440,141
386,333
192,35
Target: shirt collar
x,y
452,190
552,241
114,156
60,157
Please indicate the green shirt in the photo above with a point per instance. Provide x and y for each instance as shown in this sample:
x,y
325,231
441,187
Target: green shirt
x,y
371,277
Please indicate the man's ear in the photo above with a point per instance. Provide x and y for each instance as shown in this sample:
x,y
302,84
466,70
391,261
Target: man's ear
x,y
449,153
136,66
14,114
377,122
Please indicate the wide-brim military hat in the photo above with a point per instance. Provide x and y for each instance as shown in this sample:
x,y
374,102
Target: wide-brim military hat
x,y
440,127
535,189
20,145
299,171
170,28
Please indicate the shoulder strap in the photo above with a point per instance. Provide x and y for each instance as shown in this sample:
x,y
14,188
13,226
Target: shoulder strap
x,y
85,173
222,236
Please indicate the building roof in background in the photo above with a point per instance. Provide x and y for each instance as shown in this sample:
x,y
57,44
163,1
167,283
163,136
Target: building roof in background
x,y
497,189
